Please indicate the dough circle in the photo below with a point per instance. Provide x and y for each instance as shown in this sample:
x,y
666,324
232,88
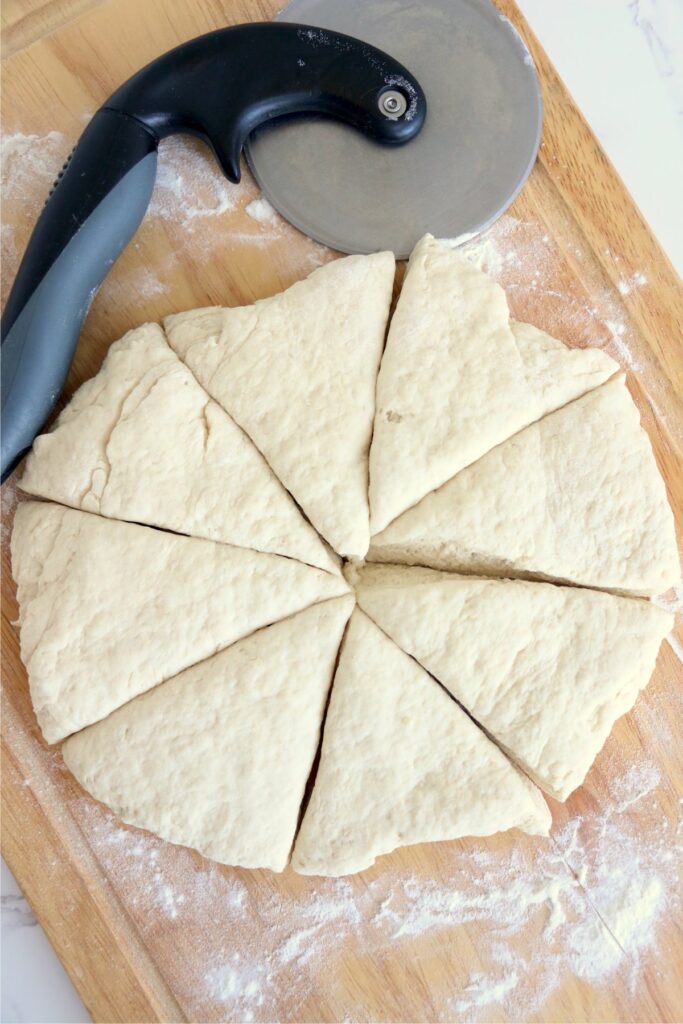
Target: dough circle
x,y
265,531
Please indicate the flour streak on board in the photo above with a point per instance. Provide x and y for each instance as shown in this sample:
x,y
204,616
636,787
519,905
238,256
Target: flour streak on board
x,y
587,902
198,207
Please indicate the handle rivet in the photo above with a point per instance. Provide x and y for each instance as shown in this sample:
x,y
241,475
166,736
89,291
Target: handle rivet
x,y
392,104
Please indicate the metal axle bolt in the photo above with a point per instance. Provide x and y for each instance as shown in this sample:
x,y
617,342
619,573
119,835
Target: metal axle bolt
x,y
393,103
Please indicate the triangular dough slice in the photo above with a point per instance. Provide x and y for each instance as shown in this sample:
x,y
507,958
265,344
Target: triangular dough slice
x,y
109,609
217,758
143,441
298,372
545,670
576,497
401,763
556,374
457,378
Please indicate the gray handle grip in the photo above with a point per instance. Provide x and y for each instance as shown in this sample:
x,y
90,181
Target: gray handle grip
x,y
39,348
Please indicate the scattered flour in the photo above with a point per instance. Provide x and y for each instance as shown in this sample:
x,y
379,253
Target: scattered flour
x,y
587,903
637,782
242,986
189,186
204,212
24,157
627,284
28,168
621,350
261,210
193,196
482,991
148,283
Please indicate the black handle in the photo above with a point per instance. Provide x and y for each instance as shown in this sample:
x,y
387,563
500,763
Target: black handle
x,y
223,85
219,87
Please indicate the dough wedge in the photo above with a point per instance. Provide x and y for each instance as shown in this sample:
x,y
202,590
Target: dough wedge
x,y
217,758
576,497
143,442
401,763
457,378
297,372
546,670
110,609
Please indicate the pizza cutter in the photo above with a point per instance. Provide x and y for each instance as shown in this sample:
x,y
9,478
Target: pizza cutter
x,y
338,170
468,164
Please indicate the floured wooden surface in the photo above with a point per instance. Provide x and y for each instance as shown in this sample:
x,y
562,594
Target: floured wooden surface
x,y
584,926
507,928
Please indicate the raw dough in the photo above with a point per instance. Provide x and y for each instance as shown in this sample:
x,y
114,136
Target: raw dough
x,y
211,649
297,372
143,441
576,497
110,609
400,764
218,757
556,374
456,380
546,670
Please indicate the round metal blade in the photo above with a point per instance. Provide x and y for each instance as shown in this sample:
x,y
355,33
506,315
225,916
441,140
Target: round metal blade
x,y
470,160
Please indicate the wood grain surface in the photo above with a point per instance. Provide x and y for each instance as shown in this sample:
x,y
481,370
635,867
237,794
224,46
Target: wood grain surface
x,y
151,932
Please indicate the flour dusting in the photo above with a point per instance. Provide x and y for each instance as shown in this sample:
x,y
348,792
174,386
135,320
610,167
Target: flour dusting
x,y
242,986
637,782
261,211
147,283
628,284
588,903
198,207
190,187
28,167
23,157
483,991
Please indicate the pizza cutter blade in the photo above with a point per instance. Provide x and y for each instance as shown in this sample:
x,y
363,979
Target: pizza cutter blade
x,y
476,149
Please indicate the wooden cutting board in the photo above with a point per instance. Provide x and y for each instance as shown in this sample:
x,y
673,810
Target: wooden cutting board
x,y
582,927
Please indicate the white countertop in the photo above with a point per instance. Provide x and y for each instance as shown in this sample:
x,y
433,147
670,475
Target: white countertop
x,y
622,60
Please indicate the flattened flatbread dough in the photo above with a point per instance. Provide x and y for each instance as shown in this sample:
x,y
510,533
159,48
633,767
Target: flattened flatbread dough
x,y
545,670
401,764
109,609
217,758
297,372
142,441
576,497
457,378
